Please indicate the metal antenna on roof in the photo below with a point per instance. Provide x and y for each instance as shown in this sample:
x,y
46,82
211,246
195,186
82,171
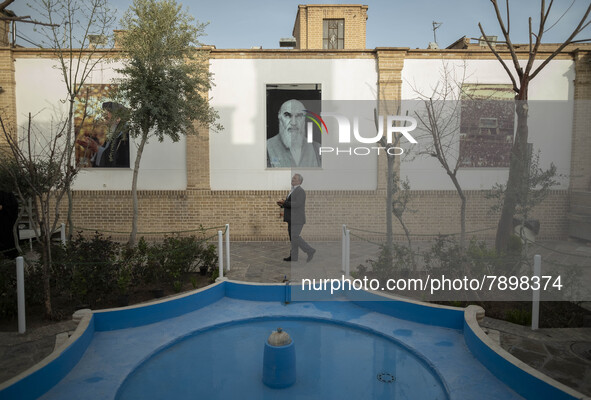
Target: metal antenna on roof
x,y
436,26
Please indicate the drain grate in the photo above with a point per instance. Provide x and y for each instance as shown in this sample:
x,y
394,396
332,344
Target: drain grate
x,y
386,377
582,349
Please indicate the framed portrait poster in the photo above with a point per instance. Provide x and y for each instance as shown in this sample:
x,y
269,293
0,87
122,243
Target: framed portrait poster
x,y
293,136
102,132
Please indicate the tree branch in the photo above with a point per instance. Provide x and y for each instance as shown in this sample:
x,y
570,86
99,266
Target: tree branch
x,y
497,55
582,24
25,19
508,18
518,68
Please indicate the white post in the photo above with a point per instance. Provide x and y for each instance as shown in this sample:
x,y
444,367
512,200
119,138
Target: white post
x,y
20,294
227,247
535,307
63,234
348,263
221,253
343,248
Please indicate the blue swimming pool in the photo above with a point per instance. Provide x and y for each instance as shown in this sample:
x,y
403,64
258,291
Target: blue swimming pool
x,y
209,344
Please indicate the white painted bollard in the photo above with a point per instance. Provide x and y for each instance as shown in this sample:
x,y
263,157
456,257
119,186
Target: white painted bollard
x,y
20,294
535,307
221,253
63,234
343,248
348,258
227,247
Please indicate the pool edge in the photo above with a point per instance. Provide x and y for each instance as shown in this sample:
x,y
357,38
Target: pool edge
x,y
41,377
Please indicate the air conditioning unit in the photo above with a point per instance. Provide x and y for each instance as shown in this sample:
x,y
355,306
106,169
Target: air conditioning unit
x,y
491,39
287,42
488,123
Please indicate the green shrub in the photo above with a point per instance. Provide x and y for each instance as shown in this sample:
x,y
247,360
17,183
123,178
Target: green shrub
x,y
392,262
92,266
445,257
95,271
7,288
518,316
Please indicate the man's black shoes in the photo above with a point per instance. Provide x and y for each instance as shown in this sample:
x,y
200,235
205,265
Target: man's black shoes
x,y
310,257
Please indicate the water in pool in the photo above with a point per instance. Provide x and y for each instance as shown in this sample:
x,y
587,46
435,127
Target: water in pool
x,y
332,362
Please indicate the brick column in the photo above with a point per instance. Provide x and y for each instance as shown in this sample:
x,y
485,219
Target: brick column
x,y
198,153
390,63
8,91
580,167
300,29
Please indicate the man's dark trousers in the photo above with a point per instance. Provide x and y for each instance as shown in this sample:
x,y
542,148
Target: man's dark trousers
x,y
297,241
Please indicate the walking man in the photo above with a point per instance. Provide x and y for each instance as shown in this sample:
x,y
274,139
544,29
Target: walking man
x,y
295,215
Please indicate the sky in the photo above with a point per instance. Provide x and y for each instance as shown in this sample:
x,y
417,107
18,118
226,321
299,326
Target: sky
x,y
391,23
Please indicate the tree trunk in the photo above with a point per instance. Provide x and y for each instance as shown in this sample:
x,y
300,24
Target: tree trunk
x,y
390,180
45,238
70,146
456,183
516,174
136,168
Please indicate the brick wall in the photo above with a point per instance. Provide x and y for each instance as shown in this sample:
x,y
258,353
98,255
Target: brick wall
x,y
8,93
253,215
5,33
580,176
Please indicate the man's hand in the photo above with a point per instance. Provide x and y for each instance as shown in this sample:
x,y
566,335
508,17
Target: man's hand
x,y
88,143
280,203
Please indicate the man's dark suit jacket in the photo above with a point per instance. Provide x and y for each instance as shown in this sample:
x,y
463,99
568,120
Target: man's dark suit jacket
x,y
116,153
295,207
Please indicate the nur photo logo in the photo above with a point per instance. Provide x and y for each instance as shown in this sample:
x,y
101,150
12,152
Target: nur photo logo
x,y
395,126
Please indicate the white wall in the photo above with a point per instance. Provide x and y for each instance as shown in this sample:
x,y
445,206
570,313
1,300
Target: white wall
x,y
40,90
550,119
238,153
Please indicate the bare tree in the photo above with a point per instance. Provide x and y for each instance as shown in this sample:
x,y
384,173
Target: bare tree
x,y
35,164
520,77
441,122
79,34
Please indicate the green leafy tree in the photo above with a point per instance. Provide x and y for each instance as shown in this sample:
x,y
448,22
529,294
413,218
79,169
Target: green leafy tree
x,y
165,77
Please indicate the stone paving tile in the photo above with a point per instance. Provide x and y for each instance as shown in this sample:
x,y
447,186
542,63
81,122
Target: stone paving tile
x,y
20,352
533,359
568,369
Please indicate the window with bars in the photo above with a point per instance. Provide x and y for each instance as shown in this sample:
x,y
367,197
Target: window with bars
x,y
333,36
